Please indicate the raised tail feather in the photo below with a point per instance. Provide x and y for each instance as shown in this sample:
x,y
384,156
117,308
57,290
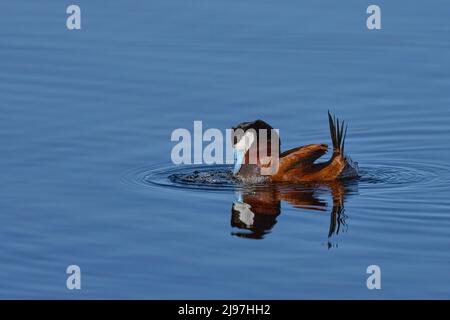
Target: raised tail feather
x,y
338,131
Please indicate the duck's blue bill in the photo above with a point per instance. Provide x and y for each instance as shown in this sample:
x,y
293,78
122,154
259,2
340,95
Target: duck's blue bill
x,y
238,159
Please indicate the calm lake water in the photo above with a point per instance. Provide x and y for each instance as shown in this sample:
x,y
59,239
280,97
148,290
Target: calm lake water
x,y
85,124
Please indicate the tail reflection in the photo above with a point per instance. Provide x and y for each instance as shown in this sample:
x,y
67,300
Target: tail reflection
x,y
256,210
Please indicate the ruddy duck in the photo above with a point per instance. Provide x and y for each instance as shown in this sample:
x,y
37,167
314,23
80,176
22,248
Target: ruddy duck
x,y
295,165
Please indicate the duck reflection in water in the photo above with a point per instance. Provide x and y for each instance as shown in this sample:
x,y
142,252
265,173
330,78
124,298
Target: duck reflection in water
x,y
256,209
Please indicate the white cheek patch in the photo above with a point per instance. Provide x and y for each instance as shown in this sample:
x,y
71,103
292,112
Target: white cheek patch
x,y
246,141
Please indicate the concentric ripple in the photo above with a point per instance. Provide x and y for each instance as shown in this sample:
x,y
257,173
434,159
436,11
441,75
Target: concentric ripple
x,y
220,178
197,177
403,175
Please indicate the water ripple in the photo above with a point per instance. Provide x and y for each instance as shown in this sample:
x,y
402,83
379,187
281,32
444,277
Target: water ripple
x,y
373,176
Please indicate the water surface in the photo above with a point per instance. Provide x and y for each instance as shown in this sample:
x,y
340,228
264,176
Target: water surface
x,y
85,125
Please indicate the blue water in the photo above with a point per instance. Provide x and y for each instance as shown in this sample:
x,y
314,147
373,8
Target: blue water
x,y
85,124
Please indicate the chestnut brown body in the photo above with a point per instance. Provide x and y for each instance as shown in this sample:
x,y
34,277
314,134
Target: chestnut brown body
x,y
299,164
